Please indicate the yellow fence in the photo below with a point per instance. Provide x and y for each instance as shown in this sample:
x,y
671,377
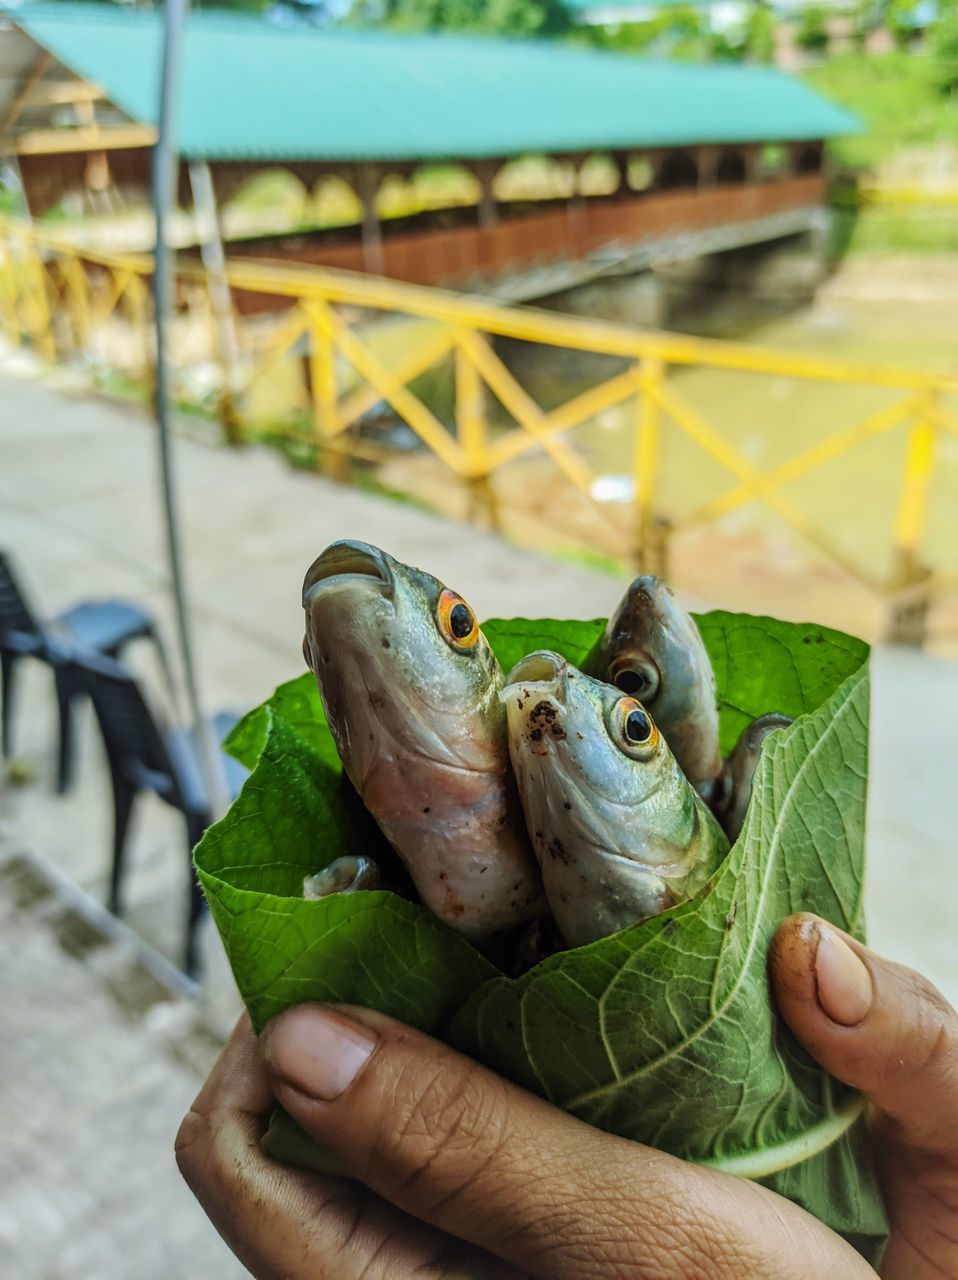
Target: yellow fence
x,y
61,301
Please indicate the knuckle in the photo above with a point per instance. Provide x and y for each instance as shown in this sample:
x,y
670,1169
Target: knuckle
x,y
929,1037
445,1129
192,1145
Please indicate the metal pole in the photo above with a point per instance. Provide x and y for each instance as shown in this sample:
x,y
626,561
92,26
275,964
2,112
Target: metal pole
x,y
164,188
218,291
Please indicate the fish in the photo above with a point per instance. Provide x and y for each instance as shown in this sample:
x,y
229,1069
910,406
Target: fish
x,y
735,789
651,650
410,688
348,874
619,831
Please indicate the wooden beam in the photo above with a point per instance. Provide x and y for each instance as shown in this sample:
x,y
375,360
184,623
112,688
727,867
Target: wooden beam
x,y
65,93
51,142
41,65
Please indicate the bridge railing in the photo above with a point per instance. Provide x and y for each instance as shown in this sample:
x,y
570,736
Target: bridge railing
x,y
70,303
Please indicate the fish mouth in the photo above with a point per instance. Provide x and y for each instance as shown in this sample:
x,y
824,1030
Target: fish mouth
x,y
346,561
542,674
651,592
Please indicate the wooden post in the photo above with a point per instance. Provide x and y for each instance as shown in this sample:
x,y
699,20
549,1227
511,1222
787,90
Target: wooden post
x,y
576,211
908,616
225,341
367,189
471,429
320,368
485,171
651,532
708,163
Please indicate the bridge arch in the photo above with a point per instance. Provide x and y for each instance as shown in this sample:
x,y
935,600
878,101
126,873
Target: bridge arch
x,y
677,170
731,169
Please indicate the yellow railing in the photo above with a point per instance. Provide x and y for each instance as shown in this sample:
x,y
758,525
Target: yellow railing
x,y
67,302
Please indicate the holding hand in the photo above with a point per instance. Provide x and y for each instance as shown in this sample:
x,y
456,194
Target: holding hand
x,y
461,1174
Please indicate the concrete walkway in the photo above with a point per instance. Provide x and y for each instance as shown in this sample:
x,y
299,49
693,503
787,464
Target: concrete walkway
x,y
80,509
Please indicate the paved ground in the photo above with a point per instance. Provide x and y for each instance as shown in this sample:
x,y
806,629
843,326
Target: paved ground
x,y
80,509
101,1065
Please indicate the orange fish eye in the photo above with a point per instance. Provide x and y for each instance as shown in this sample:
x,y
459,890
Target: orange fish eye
x,y
635,727
457,622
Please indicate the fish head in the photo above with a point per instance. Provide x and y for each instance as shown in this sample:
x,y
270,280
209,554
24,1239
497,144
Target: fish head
x,y
651,650
402,666
582,737
619,832
740,768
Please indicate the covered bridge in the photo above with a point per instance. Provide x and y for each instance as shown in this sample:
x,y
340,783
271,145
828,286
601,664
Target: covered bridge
x,y
549,154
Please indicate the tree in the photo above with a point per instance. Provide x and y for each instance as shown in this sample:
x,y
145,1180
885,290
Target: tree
x,y
812,31
759,45
492,17
944,50
900,20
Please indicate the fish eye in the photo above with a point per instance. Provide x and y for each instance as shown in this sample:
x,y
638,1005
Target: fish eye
x,y
457,622
634,682
637,679
638,727
306,653
635,730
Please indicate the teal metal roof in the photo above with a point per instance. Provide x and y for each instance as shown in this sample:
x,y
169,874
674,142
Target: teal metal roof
x,y
252,90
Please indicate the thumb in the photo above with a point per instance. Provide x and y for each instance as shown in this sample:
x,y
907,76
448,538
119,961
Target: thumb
x,y
875,1025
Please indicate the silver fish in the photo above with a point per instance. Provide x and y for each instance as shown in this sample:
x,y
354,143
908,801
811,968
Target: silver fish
x,y
411,692
619,832
348,874
735,790
651,649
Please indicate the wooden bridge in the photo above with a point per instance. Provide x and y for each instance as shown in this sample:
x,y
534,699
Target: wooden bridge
x,y
518,166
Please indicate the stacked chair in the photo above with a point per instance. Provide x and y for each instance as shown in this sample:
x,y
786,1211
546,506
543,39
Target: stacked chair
x,y
97,626
83,646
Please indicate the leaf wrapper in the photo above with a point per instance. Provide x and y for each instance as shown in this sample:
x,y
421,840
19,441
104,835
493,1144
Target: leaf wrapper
x,y
665,1033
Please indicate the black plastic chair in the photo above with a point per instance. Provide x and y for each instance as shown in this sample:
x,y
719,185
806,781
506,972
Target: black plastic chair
x,y
99,626
144,756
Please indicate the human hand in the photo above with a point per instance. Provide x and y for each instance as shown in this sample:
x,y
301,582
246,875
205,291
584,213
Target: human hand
x,y
887,1031
459,1173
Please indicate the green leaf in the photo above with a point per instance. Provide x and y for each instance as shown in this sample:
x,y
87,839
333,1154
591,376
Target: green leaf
x,y
664,1033
763,665
513,638
298,703
369,948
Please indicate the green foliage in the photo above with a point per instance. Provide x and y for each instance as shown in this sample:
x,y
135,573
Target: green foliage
x,y
623,1032
676,31
493,17
944,48
898,97
759,42
812,33
899,18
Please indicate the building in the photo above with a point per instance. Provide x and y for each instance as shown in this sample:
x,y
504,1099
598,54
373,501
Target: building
x,y
638,155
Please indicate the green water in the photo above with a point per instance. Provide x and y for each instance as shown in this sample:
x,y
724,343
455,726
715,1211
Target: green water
x,y
770,418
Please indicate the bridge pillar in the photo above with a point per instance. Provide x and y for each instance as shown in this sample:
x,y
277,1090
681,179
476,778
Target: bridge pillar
x,y
708,161
368,179
485,171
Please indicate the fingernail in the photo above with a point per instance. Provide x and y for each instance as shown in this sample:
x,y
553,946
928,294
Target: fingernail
x,y
844,984
318,1051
